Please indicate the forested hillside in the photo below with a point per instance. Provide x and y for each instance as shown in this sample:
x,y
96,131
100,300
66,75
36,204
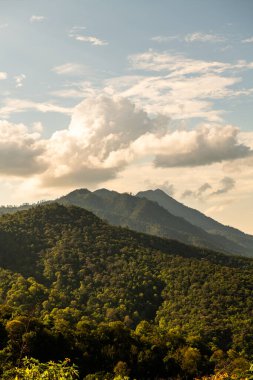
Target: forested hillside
x,y
147,216
155,213
117,302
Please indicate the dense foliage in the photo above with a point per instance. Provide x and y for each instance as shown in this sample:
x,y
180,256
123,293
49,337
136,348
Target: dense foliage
x,y
32,369
119,303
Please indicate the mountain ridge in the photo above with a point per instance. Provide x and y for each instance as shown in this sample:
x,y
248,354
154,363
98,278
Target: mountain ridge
x,y
150,217
197,218
149,212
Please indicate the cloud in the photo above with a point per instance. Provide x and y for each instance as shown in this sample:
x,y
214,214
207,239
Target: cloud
x,y
227,184
19,79
198,194
12,106
204,191
191,37
109,133
69,93
203,188
187,193
204,37
178,64
36,18
202,146
20,151
98,127
69,69
80,89
92,39
4,26
76,31
37,127
3,75
161,39
184,88
167,187
105,136
248,40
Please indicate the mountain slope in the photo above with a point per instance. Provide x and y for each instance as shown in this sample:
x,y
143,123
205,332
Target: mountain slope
x,y
199,219
160,215
88,283
146,216
69,248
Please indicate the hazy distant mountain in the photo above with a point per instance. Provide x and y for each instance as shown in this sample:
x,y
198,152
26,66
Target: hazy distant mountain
x,y
12,209
199,219
143,215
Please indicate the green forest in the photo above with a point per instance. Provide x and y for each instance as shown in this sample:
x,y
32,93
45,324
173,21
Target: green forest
x,y
94,301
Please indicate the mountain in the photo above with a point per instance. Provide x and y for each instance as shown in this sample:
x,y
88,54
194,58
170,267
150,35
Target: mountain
x,y
146,216
73,286
13,209
200,220
160,215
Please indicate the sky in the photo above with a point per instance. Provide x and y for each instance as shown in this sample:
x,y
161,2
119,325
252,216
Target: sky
x,y
129,95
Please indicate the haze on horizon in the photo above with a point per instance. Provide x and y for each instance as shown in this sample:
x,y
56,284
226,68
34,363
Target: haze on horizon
x,y
129,96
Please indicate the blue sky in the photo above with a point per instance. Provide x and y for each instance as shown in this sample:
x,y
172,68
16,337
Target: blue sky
x,y
129,95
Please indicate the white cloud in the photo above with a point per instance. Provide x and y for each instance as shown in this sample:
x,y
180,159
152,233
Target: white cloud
x,y
107,135
19,79
99,126
37,18
248,40
4,26
203,146
3,75
37,127
76,31
70,69
178,64
110,137
161,39
204,37
69,93
12,106
20,151
180,86
82,89
92,39
191,37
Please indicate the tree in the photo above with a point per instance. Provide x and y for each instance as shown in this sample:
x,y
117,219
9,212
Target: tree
x,y
32,369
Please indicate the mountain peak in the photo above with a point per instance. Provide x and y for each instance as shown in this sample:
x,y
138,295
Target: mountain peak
x,y
157,193
104,193
81,191
161,192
